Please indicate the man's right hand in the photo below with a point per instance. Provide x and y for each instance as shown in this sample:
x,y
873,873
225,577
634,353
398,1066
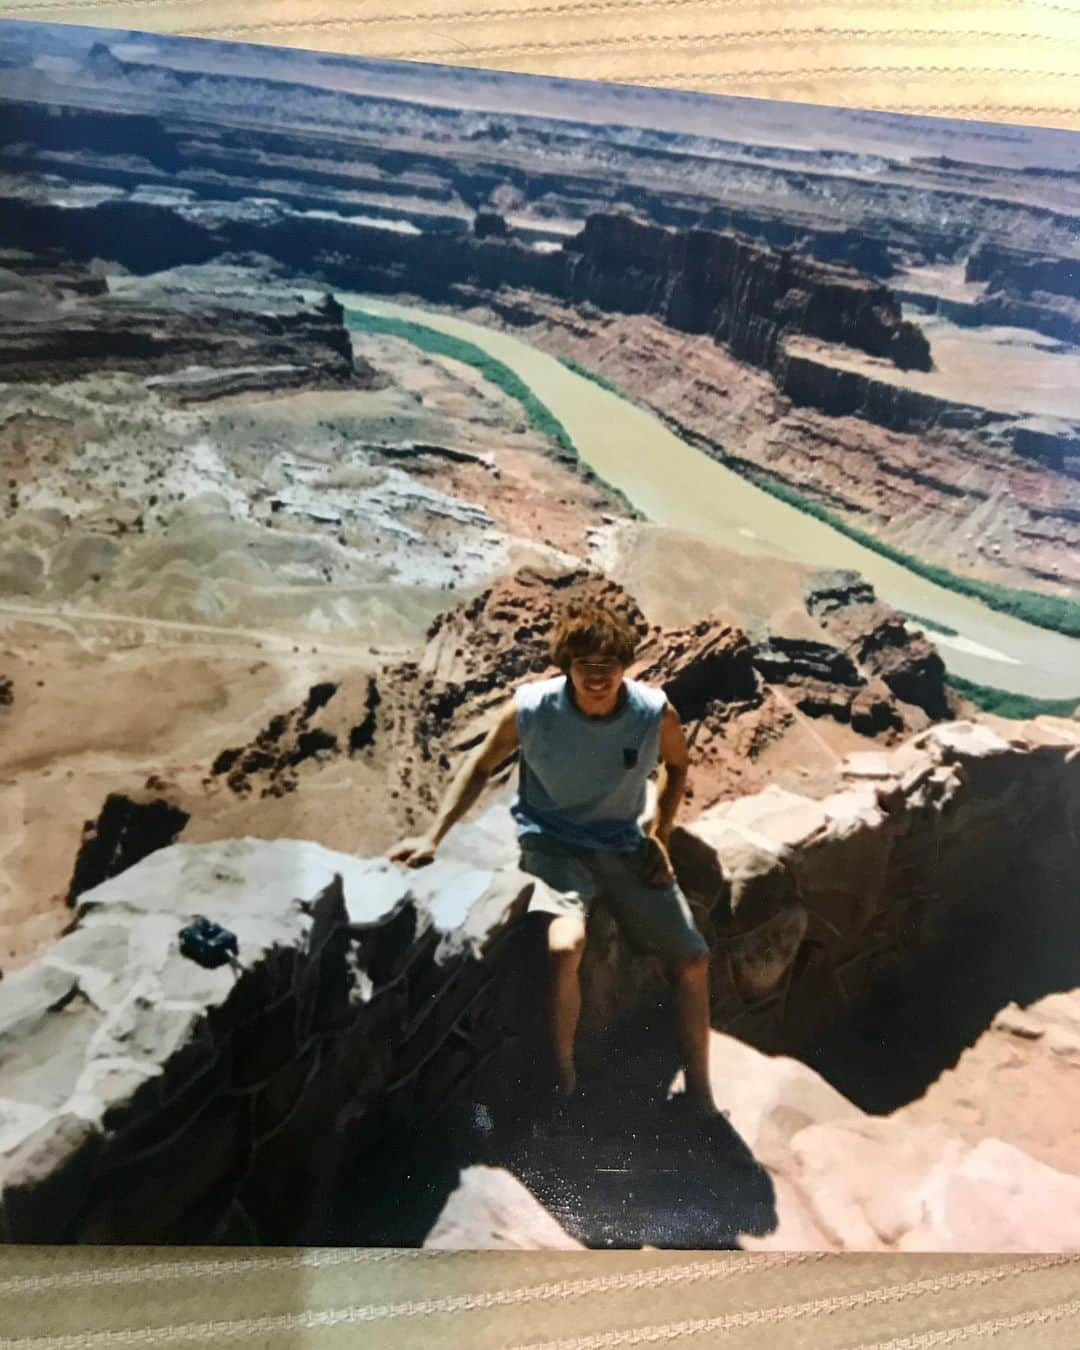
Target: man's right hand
x,y
416,851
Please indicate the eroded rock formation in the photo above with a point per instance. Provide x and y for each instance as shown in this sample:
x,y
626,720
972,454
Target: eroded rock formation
x,y
288,739
149,1098
876,638
198,346
189,1081
751,244
1027,289
742,293
123,834
737,700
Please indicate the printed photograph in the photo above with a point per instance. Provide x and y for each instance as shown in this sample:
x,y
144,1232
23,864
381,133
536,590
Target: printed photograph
x,y
538,661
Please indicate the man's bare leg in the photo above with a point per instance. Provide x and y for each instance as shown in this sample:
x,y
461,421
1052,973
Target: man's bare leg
x,y
692,1013
566,943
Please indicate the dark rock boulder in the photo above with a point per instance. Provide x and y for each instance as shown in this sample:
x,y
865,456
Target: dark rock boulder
x,y
710,663
490,225
190,342
876,638
124,833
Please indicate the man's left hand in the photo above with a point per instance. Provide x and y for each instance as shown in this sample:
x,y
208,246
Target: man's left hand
x,y
656,869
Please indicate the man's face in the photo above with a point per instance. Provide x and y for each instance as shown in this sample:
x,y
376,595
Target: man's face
x,y
596,679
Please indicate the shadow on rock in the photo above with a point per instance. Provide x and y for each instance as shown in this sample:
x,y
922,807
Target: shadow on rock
x,y
623,1166
1016,945
619,1166
396,1197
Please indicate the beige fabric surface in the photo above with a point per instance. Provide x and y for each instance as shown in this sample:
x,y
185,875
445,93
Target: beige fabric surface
x,y
1006,59
330,1300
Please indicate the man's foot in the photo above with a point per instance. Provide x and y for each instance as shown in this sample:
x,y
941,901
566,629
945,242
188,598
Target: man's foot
x,y
697,1107
556,1114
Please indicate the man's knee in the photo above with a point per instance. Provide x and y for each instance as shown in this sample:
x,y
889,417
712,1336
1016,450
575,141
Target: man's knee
x,y
566,941
691,968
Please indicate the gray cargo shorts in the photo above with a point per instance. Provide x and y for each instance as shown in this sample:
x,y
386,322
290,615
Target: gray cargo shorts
x,y
656,919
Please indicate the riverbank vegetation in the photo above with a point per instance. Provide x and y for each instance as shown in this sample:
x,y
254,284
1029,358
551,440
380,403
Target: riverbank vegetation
x,y
437,343
1060,614
1006,704
595,377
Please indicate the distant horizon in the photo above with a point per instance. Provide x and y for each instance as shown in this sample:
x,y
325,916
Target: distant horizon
x,y
742,119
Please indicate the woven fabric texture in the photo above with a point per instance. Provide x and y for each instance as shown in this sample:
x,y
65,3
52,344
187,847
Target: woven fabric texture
x,y
1009,60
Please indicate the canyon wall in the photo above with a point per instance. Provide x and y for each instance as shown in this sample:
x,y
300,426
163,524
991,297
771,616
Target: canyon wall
x,y
450,215
742,293
59,322
149,1099
1027,289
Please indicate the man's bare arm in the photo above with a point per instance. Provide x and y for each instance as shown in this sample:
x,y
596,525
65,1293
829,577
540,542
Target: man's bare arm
x,y
467,785
500,742
675,765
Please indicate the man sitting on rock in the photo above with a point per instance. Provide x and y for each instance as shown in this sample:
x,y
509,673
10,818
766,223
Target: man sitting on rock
x,y
588,740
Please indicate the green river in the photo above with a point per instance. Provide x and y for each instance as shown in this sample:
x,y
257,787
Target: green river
x,y
674,484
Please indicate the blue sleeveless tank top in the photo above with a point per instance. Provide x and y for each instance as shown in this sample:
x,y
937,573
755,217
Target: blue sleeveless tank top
x,y
582,779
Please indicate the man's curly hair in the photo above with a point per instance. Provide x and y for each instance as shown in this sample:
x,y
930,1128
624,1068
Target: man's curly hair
x,y
588,629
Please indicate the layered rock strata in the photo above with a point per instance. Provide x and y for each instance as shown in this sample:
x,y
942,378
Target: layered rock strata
x,y
192,346
737,699
742,293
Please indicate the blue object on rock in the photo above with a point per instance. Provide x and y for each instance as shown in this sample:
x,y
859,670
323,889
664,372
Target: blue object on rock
x,y
208,943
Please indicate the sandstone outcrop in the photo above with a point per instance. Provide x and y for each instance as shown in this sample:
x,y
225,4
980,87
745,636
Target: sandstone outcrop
x,y
872,208
711,665
842,1180
124,833
876,638
986,494
1026,288
808,379
768,284
141,158
1019,1082
193,345
25,275
879,678
873,1185
836,825
151,1099
436,707
287,740
808,902
846,1181
735,698
147,1098
87,129
743,293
